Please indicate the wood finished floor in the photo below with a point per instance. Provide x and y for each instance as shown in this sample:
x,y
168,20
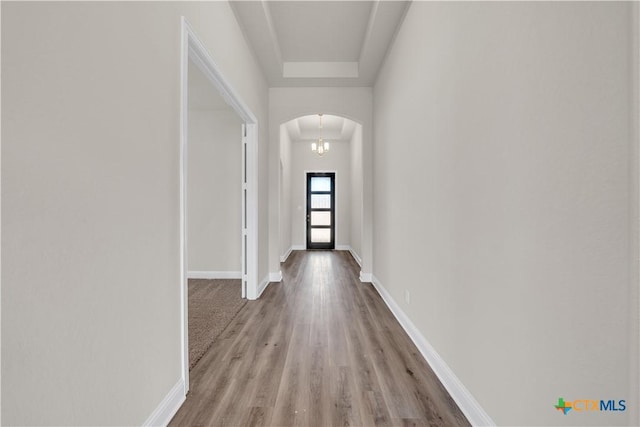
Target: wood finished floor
x,y
318,349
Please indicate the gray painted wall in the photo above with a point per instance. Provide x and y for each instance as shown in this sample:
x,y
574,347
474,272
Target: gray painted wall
x,y
214,212
90,202
502,200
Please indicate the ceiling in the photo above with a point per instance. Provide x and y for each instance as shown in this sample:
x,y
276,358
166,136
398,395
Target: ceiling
x,y
307,128
320,43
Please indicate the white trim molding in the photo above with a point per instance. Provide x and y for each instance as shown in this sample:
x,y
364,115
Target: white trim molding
x,y
162,415
355,256
275,277
353,253
366,277
194,51
214,275
283,258
263,285
459,393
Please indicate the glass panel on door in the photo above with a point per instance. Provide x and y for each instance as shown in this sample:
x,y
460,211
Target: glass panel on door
x,y
320,235
320,184
320,201
320,218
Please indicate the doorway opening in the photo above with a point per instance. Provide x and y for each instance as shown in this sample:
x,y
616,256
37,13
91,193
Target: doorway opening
x,y
216,292
234,203
303,223
321,211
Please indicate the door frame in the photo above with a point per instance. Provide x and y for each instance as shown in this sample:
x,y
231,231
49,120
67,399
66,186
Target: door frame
x,y
335,205
192,49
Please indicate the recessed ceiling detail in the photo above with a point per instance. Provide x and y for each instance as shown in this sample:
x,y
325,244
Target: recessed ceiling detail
x,y
320,69
320,43
334,128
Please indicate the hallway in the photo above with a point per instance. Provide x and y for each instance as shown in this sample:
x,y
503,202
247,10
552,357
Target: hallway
x,y
319,348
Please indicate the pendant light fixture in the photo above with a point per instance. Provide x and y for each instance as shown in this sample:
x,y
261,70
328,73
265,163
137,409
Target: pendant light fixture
x,y
321,146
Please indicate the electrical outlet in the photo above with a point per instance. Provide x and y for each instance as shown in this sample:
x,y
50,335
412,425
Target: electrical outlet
x,y
407,296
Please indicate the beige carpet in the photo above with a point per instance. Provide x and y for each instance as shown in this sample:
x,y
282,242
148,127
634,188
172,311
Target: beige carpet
x,y
212,306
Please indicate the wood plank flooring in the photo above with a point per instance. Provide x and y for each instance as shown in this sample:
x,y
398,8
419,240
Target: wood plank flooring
x,y
318,349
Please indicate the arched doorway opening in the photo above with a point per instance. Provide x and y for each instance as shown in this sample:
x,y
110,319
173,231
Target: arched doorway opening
x,y
305,216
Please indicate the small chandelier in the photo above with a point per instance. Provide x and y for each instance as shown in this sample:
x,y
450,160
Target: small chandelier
x,y
321,146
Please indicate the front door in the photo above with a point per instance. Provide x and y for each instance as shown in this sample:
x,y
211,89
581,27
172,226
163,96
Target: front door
x,y
321,212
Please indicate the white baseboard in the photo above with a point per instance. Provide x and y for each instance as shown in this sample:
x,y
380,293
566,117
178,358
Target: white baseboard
x,y
366,277
460,394
275,277
162,415
263,285
298,248
214,274
342,247
283,258
355,256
